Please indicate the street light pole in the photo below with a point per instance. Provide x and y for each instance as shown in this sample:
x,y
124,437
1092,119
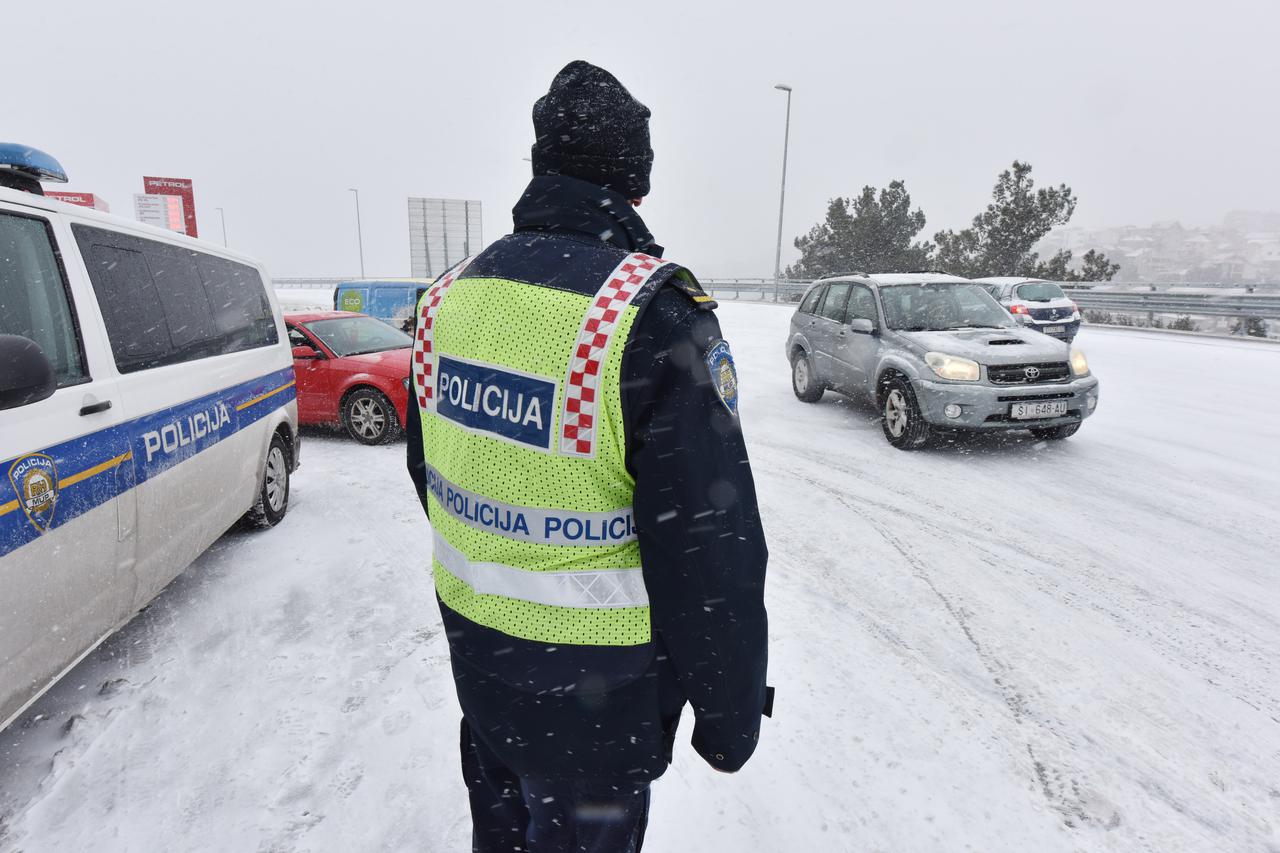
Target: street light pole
x,y
359,229
782,199
223,215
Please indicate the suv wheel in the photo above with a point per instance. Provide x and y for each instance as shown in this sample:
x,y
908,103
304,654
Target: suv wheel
x,y
1055,433
273,493
368,416
804,380
900,418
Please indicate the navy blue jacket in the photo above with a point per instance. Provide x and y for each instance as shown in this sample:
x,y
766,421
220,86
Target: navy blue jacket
x,y
612,711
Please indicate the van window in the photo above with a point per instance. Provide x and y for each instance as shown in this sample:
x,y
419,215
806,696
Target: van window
x,y
33,295
166,304
810,301
136,325
182,296
239,301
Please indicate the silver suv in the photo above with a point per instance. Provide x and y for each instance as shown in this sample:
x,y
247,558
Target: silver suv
x,y
935,352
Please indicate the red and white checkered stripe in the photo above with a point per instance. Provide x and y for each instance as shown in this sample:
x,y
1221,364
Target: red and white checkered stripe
x,y
579,411
424,341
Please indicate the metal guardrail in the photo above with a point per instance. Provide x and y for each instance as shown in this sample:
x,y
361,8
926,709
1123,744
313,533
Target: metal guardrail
x,y
1182,304
1264,306
788,290
310,283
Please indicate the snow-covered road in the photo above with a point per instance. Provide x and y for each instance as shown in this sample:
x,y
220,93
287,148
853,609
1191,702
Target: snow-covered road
x,y
1005,646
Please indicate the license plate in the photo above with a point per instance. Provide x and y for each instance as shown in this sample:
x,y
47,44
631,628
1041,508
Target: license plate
x,y
1038,409
1054,330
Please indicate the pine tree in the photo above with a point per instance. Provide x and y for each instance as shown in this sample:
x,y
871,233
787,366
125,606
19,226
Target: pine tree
x,y
870,233
1000,240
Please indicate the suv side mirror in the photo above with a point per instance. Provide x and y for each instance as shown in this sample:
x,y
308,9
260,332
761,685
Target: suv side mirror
x,y
27,376
305,352
862,325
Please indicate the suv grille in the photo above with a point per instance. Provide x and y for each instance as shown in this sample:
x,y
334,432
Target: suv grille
x,y
1028,374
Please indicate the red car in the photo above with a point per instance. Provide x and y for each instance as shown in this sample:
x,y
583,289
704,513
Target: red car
x,y
351,370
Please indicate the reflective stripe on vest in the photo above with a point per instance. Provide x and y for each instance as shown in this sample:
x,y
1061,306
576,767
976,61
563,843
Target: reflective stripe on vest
x,y
424,339
581,391
586,589
528,523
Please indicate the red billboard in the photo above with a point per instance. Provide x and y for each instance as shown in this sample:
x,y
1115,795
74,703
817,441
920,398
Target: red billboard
x,y
83,199
179,187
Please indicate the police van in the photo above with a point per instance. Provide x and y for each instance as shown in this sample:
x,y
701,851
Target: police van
x,y
146,405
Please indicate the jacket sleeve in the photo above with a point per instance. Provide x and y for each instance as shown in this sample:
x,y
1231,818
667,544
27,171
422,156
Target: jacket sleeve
x,y
701,542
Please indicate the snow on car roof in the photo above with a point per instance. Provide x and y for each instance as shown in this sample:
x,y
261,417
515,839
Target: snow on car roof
x,y
917,278
1006,279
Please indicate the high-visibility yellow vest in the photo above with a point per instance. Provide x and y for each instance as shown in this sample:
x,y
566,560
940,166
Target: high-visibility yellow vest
x,y
519,387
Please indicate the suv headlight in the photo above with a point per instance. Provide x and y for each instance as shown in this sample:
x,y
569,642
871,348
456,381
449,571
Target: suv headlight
x,y
953,367
1079,364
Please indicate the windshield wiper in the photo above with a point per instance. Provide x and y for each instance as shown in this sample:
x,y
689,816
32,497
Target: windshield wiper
x,y
972,326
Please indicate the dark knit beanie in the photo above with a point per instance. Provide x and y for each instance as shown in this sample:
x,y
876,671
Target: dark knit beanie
x,y
588,126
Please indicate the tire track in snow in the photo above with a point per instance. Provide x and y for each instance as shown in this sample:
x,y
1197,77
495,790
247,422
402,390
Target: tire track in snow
x,y
1141,615
1062,790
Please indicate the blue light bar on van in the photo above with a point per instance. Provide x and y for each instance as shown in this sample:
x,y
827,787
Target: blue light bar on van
x,y
31,162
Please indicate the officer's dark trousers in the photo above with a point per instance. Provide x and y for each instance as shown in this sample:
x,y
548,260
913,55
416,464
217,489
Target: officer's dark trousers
x,y
548,816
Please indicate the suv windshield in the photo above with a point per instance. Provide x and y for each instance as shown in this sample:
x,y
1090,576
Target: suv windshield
x,y
358,335
1040,291
941,307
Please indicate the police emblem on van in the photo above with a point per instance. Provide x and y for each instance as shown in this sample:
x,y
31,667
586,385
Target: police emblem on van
x,y
488,399
35,481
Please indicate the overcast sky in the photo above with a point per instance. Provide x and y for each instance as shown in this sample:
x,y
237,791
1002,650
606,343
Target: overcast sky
x,y
1149,110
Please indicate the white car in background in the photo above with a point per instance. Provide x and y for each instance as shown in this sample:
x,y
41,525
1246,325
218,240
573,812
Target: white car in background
x,y
1037,304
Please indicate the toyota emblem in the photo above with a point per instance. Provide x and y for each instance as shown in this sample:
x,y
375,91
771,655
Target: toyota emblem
x,y
1033,372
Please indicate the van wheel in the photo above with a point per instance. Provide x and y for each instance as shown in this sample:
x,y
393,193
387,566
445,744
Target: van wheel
x,y
369,417
804,380
900,418
1055,433
273,493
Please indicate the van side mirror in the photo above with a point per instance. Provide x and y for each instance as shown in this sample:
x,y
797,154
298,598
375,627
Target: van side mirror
x,y
26,375
862,325
305,352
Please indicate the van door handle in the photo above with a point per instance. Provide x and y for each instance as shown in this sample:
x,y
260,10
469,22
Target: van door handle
x,y
94,408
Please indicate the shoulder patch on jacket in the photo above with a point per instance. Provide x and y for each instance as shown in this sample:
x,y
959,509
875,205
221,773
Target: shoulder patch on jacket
x,y
684,282
724,375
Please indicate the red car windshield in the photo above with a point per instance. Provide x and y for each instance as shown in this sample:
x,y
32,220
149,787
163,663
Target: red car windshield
x,y
358,335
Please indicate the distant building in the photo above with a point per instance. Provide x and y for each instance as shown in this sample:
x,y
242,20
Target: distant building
x,y
1245,249
1253,220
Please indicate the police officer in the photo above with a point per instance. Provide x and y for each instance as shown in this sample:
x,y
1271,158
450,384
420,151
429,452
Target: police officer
x,y
598,556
